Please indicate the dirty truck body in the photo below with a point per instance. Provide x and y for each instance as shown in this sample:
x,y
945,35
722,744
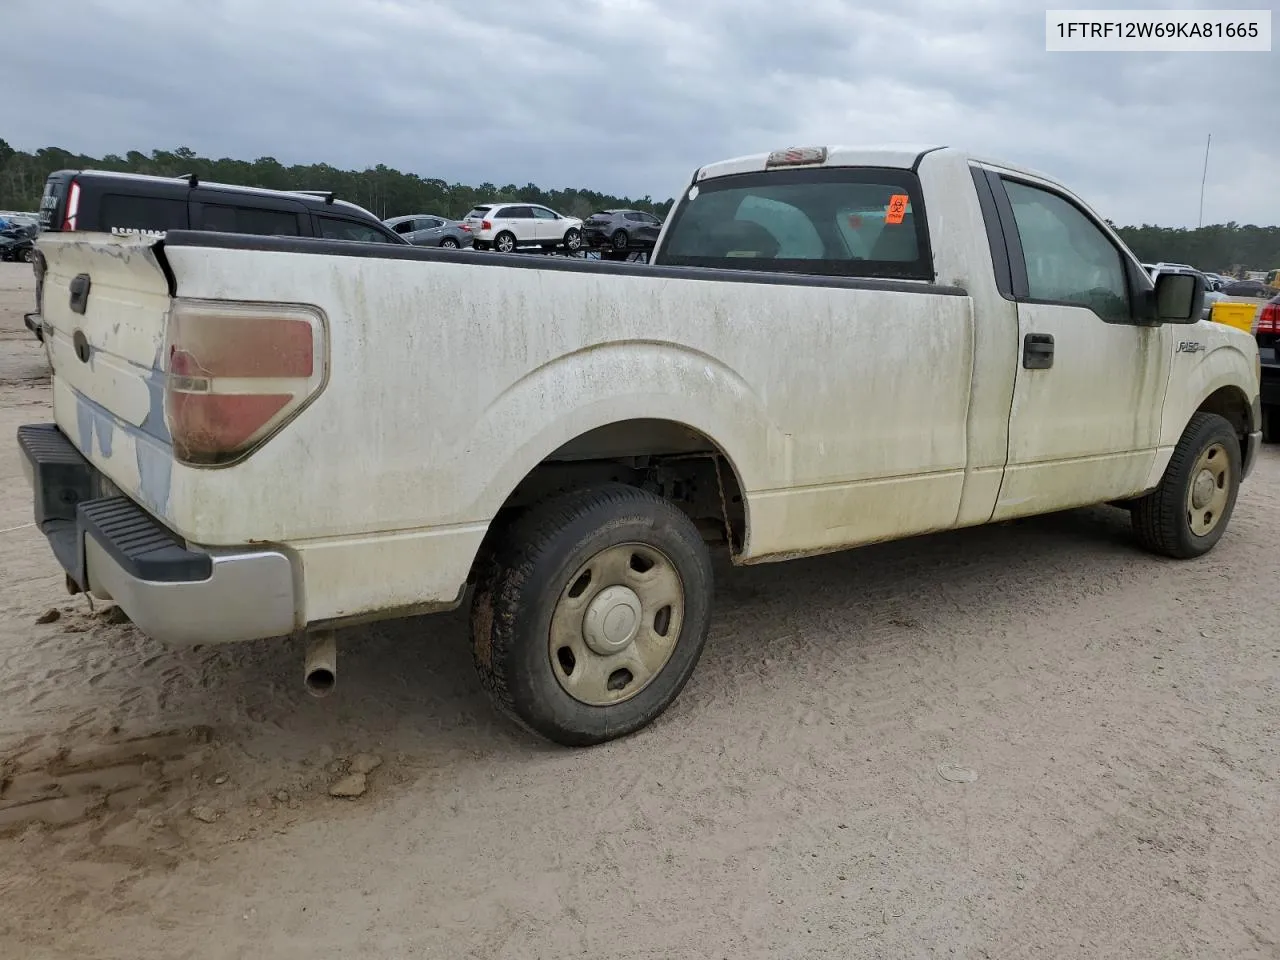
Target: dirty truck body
x,y
259,437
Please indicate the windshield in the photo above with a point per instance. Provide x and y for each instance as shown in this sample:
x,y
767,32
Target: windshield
x,y
835,222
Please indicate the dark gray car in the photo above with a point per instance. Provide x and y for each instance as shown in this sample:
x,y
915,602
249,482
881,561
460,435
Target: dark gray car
x,y
428,230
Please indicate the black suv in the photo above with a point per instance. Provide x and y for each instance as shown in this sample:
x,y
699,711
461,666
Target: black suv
x,y
101,201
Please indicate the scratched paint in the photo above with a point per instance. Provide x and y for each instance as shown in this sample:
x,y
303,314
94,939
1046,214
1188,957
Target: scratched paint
x,y
94,422
155,424
155,476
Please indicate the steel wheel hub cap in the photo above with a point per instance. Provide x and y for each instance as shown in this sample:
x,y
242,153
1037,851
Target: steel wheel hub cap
x,y
1210,490
1202,489
616,624
612,620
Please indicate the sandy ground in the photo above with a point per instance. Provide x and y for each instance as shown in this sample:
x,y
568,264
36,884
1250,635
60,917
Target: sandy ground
x,y
1031,740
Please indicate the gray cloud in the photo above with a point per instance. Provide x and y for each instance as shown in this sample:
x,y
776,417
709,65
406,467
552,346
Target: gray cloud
x,y
628,96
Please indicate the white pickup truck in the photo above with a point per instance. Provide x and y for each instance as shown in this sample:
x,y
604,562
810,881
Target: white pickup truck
x,y
264,437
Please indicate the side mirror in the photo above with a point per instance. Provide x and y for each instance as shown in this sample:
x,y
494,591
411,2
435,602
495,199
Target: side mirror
x,y
1179,297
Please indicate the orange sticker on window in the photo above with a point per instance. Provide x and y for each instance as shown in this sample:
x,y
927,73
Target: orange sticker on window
x,y
897,208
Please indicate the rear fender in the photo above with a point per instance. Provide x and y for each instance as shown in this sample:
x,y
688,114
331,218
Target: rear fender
x,y
592,388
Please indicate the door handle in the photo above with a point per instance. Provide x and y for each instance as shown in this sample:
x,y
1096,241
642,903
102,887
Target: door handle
x,y
1037,351
80,293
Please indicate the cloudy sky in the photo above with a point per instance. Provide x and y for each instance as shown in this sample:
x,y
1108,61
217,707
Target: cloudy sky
x,y
629,96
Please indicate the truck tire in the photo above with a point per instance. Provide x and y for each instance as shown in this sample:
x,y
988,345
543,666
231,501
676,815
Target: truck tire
x,y
1187,514
591,612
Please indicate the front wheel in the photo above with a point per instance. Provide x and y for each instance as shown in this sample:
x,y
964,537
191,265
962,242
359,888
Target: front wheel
x,y
1187,514
590,614
573,239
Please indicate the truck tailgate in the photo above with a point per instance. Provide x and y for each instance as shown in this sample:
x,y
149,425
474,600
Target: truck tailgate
x,y
105,304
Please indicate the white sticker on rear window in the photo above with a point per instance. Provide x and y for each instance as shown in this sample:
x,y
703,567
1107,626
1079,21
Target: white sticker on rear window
x,y
693,192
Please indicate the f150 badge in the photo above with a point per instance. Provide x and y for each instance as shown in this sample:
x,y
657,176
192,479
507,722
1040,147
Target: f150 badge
x,y
1190,346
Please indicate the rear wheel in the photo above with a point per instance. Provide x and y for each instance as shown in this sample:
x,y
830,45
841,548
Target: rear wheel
x,y
449,243
591,613
620,240
1188,513
504,242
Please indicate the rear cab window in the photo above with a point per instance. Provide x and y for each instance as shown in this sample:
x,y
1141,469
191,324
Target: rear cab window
x,y
835,221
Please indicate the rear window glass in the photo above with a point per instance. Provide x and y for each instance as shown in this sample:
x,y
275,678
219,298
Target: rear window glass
x,y
119,212
479,211
226,219
855,221
54,189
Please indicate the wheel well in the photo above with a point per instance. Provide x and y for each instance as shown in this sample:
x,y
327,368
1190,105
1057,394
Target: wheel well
x,y
1231,404
675,461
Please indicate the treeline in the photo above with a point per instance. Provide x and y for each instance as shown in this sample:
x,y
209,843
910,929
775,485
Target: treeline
x,y
386,192
1222,247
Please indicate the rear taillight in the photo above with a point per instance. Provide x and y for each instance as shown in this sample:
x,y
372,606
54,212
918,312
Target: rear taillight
x,y
465,226
1269,319
486,225
73,206
237,373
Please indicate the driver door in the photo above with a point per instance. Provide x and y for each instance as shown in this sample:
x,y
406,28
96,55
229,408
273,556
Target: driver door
x,y
1084,423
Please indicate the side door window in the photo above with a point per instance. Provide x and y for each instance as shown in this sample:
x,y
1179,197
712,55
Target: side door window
x,y
334,228
519,220
1069,260
547,224
223,218
646,226
125,213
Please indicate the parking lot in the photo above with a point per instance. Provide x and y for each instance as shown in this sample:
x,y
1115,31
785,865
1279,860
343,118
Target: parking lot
x,y
1028,740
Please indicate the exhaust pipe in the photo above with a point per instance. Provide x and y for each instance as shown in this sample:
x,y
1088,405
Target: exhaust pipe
x,y
320,668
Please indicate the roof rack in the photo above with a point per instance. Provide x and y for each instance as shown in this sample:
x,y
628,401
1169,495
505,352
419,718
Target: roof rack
x,y
326,195
192,179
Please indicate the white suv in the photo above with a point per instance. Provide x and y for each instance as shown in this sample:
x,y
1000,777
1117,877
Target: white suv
x,y
507,226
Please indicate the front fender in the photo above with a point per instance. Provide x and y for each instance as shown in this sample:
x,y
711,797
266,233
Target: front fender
x,y
1228,361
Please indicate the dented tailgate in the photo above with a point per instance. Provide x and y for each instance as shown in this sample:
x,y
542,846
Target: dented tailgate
x,y
106,299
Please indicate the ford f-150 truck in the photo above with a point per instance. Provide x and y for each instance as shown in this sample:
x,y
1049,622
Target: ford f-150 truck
x,y
268,436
